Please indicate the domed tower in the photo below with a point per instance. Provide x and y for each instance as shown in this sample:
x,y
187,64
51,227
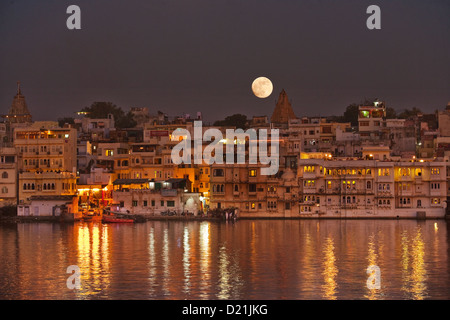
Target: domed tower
x,y
18,112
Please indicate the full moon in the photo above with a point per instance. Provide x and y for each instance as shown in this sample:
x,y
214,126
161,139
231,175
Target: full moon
x,y
262,87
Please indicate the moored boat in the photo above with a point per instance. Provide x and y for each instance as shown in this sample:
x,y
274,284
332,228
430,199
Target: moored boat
x,y
115,217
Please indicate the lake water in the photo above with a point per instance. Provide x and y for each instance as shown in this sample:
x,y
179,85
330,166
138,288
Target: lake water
x,y
249,259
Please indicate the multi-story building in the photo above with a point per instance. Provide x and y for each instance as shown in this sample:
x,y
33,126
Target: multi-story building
x,y
373,188
371,120
8,176
47,161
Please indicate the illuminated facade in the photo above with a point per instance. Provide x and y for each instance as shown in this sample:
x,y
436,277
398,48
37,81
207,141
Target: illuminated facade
x,y
373,188
47,162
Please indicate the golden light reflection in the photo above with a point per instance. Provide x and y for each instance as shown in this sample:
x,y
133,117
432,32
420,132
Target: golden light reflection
x,y
93,258
418,273
413,266
224,274
165,262
205,257
330,270
186,262
372,260
152,262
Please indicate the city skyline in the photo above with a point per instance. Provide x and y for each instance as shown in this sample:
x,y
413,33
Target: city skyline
x,y
203,56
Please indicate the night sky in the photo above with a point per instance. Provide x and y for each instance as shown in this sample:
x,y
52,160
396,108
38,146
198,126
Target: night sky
x,y
202,55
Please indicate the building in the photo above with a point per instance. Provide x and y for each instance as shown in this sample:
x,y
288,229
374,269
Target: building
x,y
371,120
283,111
18,115
8,176
48,162
62,206
150,197
372,188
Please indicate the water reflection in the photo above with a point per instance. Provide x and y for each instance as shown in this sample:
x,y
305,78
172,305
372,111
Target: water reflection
x,y
245,260
374,291
152,279
205,259
186,261
330,270
413,265
93,258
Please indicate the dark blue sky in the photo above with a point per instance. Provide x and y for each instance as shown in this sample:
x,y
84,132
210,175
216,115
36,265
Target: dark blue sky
x,y
202,55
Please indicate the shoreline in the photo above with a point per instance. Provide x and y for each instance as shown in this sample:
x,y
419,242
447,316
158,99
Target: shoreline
x,y
141,219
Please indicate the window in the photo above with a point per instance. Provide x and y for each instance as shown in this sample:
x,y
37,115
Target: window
x,y
5,175
383,172
369,185
252,187
326,129
309,169
252,173
162,203
434,171
134,203
145,203
4,190
310,183
419,203
153,203
170,203
436,201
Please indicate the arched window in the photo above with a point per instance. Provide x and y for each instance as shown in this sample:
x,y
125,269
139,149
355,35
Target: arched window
x,y
5,175
24,186
4,190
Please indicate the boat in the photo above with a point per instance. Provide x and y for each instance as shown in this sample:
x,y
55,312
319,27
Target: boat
x,y
115,217
91,215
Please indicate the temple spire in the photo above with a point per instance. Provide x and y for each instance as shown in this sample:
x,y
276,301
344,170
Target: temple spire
x,y
283,110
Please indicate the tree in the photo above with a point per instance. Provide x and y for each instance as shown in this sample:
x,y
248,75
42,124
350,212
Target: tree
x,y
126,121
351,114
100,110
63,121
236,120
391,113
406,114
